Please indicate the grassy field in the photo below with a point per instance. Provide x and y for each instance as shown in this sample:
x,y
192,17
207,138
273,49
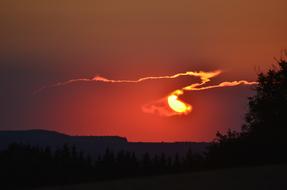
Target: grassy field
x,y
264,177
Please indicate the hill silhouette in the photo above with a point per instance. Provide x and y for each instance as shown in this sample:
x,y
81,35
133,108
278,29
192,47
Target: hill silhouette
x,y
96,145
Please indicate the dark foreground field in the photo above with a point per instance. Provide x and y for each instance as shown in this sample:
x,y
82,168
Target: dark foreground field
x,y
264,177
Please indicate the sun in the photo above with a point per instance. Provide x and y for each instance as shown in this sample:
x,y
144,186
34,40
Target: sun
x,y
178,106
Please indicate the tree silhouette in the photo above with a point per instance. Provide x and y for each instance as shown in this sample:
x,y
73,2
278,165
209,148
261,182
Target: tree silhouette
x,y
267,109
263,137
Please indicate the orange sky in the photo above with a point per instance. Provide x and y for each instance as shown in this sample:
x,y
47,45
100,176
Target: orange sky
x,y
44,42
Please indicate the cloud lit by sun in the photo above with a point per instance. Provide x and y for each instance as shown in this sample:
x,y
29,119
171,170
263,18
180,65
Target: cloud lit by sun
x,y
171,104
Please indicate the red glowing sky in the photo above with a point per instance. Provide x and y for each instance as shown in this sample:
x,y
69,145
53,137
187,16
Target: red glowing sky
x,y
47,42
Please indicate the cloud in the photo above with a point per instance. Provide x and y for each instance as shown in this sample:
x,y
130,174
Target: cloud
x,y
166,106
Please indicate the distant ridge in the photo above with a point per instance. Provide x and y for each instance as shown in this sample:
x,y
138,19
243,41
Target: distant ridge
x,y
50,132
95,145
32,131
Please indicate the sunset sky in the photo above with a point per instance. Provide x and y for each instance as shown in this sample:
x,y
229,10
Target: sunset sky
x,y
47,42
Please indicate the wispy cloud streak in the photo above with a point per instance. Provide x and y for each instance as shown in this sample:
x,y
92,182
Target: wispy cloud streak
x,y
163,106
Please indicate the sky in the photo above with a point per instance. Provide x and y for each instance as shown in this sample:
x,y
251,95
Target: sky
x,y
47,42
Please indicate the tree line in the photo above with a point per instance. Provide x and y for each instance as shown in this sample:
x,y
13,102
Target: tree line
x,y
35,166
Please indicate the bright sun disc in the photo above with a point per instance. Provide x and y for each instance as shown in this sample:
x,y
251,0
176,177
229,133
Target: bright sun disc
x,y
178,106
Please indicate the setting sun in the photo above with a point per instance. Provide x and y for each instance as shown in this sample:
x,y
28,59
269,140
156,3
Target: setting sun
x,y
178,106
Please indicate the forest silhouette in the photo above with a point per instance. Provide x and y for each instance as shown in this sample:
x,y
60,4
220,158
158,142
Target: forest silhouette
x,y
262,140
